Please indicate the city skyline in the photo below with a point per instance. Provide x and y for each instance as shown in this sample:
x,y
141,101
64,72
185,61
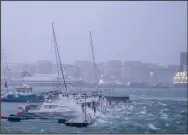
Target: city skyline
x,y
105,62
153,32
123,71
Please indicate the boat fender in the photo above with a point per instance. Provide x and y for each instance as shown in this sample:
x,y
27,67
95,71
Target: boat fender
x,y
19,107
110,102
20,113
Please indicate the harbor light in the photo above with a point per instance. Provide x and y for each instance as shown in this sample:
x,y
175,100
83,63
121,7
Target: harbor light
x,y
180,78
101,81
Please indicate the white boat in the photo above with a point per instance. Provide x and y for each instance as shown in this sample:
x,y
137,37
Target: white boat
x,y
68,106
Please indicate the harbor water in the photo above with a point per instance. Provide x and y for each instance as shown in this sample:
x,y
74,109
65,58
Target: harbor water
x,y
151,111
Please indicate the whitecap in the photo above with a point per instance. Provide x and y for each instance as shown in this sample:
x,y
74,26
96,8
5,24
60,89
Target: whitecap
x,y
178,122
151,115
131,107
151,126
100,121
182,111
162,104
102,116
138,124
94,124
129,113
165,109
164,116
109,116
126,118
142,112
166,124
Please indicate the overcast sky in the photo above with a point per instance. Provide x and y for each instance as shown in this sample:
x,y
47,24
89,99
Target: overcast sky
x,y
147,31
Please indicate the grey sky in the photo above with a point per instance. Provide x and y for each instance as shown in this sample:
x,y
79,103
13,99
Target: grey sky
x,y
147,31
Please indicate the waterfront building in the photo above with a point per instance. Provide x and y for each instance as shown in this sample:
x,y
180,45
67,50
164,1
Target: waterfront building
x,y
115,68
87,70
44,67
136,71
183,61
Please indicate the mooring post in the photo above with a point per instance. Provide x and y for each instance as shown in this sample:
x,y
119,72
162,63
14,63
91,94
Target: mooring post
x,y
85,106
101,99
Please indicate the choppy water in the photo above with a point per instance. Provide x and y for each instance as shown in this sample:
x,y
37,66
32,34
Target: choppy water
x,y
146,114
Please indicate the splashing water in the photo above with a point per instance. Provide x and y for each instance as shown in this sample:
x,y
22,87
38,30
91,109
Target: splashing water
x,y
137,117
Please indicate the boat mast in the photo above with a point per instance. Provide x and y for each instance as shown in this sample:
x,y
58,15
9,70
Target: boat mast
x,y
23,74
56,46
94,63
3,56
58,76
5,62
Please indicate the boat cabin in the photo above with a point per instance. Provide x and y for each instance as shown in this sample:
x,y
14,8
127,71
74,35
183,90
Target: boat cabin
x,y
24,89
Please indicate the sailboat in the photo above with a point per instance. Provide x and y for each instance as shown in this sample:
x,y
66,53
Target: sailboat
x,y
5,93
69,106
21,94
5,89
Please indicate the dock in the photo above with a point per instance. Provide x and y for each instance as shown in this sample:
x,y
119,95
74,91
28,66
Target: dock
x,y
118,98
80,121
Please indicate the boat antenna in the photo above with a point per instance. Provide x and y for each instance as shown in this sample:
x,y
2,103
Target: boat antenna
x,y
56,46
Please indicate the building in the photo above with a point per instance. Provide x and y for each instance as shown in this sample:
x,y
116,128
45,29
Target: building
x,y
44,67
136,71
173,68
70,70
87,70
31,68
115,69
163,75
16,69
183,61
101,68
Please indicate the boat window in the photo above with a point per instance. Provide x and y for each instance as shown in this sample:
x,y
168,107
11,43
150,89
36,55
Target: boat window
x,y
53,106
46,106
63,106
50,106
